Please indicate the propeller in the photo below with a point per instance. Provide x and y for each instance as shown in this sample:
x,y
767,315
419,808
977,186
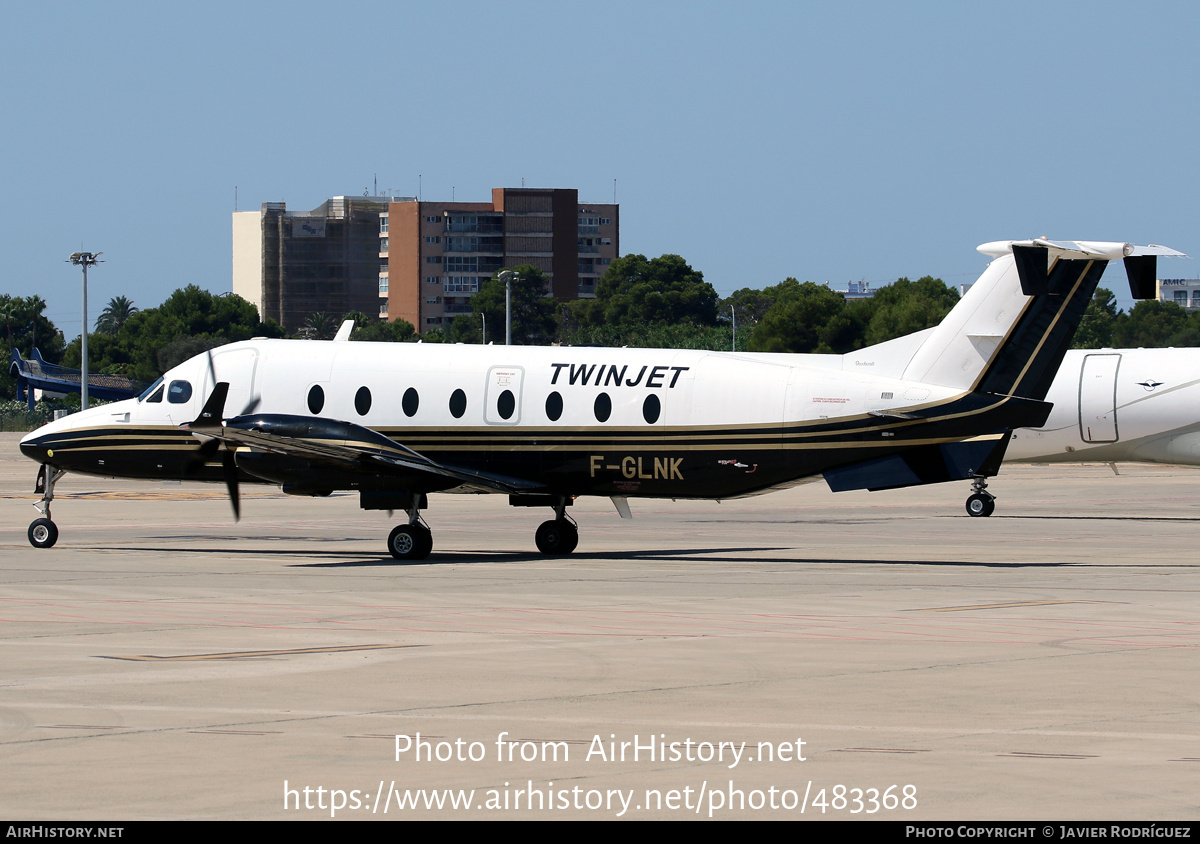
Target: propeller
x,y
211,419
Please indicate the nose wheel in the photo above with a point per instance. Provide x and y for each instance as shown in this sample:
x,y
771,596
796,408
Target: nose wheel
x,y
43,533
981,502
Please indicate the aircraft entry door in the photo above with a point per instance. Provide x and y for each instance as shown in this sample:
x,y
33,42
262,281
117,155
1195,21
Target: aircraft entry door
x,y
1098,398
503,402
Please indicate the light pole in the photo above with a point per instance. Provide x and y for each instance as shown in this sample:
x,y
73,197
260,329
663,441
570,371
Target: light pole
x,y
508,277
85,260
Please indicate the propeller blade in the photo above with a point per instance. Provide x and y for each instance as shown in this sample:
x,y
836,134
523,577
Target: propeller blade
x,y
231,483
251,406
212,370
208,450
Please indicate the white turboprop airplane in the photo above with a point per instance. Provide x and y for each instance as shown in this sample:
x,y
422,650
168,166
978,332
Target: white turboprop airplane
x,y
545,425
1118,405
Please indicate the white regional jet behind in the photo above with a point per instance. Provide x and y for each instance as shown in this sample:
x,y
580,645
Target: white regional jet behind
x,y
1119,405
544,425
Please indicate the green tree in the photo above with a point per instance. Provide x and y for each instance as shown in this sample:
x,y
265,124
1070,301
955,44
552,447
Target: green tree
x,y
187,313
25,325
749,305
1151,324
111,319
533,312
319,326
378,331
803,318
1099,320
636,291
905,307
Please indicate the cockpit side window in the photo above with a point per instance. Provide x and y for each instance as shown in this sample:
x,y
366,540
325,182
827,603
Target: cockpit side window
x,y
149,393
179,392
157,397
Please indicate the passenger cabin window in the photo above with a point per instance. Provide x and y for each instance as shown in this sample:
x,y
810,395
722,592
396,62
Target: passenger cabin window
x,y
180,392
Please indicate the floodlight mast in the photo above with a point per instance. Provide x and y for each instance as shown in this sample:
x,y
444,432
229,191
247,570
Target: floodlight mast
x,y
85,260
508,277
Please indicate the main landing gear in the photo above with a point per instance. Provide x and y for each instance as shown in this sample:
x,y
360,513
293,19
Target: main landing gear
x,y
558,537
981,502
412,541
43,533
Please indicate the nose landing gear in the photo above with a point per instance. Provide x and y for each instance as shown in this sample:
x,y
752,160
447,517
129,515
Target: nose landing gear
x,y
981,502
43,533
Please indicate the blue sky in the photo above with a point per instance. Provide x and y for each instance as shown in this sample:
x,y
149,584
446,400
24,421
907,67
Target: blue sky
x,y
826,141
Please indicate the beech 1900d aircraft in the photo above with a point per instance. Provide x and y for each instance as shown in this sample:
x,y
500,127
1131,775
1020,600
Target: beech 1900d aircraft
x,y
545,425
1127,405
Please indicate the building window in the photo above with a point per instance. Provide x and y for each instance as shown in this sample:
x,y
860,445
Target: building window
x,y
432,279
383,284
383,247
461,284
433,259
383,223
433,239
459,264
432,219
1181,298
606,221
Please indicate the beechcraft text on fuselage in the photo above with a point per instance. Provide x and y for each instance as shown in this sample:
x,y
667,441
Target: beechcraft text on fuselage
x,y
611,375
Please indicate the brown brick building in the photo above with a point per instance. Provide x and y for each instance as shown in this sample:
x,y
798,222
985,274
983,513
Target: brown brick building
x,y
434,255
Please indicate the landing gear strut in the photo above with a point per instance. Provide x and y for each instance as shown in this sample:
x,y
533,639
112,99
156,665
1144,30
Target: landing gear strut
x,y
981,502
43,533
560,535
412,541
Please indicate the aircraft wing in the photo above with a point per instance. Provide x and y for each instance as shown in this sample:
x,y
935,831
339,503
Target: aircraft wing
x,y
328,445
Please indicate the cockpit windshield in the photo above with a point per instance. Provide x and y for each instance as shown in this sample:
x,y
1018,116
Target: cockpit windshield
x,y
150,390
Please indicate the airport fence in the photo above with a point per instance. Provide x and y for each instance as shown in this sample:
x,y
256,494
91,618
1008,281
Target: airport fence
x,y
16,416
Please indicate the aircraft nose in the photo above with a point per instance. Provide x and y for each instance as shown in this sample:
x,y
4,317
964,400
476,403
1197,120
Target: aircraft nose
x,y
36,446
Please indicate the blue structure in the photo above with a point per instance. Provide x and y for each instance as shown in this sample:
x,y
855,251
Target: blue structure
x,y
51,378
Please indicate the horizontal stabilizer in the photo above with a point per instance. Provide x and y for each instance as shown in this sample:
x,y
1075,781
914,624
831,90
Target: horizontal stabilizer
x,y
1035,257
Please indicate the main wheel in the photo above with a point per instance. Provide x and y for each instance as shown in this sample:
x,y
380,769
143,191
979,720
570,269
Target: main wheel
x,y
981,504
557,536
43,533
410,542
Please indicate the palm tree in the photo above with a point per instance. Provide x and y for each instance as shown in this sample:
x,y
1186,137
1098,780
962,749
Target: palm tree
x,y
113,317
8,313
320,326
